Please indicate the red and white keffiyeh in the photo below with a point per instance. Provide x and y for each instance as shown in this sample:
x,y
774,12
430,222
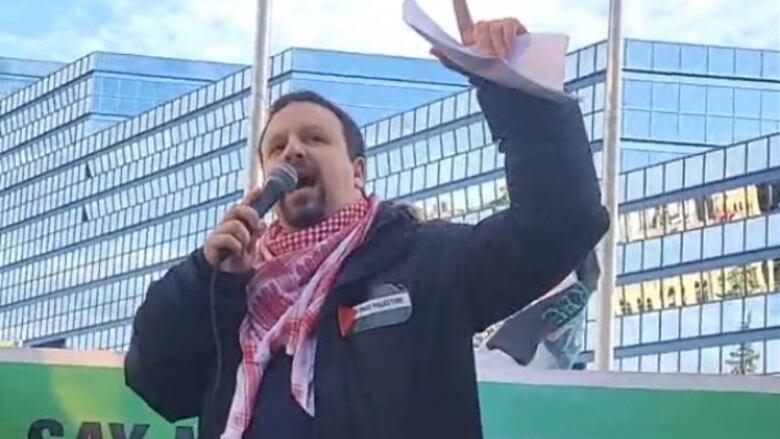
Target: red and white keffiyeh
x,y
293,273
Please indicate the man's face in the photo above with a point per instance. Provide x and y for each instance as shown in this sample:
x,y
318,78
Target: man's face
x,y
310,138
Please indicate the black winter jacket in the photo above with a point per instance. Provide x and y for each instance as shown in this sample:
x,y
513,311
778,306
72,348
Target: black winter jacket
x,y
412,375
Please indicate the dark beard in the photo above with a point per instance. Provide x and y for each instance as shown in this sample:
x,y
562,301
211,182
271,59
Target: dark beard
x,y
307,215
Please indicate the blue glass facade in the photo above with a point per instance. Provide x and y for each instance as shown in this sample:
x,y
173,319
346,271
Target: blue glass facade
x,y
680,97
368,87
17,73
90,223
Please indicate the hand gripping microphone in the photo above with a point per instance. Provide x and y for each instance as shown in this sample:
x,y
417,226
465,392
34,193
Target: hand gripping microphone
x,y
281,180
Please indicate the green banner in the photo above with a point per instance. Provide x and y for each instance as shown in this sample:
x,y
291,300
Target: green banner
x,y
555,404
59,394
49,394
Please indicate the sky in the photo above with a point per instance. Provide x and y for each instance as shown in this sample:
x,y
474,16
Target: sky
x,y
223,30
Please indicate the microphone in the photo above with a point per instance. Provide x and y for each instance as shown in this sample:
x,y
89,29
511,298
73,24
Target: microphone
x,y
281,179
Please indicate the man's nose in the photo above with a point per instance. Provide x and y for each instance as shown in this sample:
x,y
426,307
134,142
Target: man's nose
x,y
294,151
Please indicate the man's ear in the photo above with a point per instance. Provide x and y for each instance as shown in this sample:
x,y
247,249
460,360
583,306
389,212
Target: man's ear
x,y
359,172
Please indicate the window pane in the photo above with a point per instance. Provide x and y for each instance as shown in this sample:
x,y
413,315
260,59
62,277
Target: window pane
x,y
671,249
710,360
448,143
636,184
692,128
721,61
639,54
755,232
649,363
773,229
629,364
477,135
633,258
691,246
652,254
734,237
636,123
673,175
747,102
713,241
748,63
694,171
757,155
773,308
735,161
669,362
587,61
445,170
408,156
637,94
431,175
654,221
434,148
690,320
655,181
571,66
772,356
665,96
670,324
770,104
689,361
459,171
650,326
710,318
630,330
693,98
714,166
732,315
421,152
666,57
720,101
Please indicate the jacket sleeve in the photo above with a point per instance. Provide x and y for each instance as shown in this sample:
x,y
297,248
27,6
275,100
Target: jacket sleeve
x,y
172,351
555,215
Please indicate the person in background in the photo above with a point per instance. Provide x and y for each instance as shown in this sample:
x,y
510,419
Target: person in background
x,y
347,317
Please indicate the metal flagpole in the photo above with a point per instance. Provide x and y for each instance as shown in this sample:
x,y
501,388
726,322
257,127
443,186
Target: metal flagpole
x,y
257,103
611,149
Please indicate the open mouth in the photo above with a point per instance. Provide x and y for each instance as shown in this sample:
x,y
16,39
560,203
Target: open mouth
x,y
305,181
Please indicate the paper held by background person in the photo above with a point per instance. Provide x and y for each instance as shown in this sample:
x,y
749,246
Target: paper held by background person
x,y
536,65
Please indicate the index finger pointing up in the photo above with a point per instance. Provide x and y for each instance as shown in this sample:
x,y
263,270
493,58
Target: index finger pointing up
x,y
465,23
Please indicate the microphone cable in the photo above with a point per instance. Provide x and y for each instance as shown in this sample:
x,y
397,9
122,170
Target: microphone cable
x,y
215,331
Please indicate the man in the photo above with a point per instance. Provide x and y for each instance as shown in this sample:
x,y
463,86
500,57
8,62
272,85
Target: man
x,y
348,318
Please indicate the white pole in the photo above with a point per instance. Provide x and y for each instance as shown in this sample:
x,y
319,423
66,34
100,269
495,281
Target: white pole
x,y
604,345
257,103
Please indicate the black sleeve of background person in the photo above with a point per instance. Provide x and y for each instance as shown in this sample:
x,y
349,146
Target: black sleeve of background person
x,y
555,216
172,352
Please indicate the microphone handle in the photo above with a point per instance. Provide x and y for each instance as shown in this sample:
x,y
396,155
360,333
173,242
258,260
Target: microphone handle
x,y
272,193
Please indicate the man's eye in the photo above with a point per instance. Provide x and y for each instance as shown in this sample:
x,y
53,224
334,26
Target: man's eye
x,y
276,149
315,138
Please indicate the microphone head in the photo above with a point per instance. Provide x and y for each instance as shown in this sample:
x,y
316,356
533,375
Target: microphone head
x,y
284,177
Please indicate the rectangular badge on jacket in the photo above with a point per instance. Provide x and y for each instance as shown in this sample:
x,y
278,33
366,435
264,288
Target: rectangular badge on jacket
x,y
387,304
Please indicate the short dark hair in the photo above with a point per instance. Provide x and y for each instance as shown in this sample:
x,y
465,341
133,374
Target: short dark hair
x,y
356,146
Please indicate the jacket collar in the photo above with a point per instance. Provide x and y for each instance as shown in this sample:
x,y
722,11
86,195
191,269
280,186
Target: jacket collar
x,y
389,238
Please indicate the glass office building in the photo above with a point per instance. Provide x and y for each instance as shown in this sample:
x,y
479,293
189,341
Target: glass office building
x,y
699,221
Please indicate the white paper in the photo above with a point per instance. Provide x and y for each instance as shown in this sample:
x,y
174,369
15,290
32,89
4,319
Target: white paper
x,y
537,63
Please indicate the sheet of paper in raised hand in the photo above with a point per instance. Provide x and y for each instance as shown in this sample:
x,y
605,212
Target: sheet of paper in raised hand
x,y
537,64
